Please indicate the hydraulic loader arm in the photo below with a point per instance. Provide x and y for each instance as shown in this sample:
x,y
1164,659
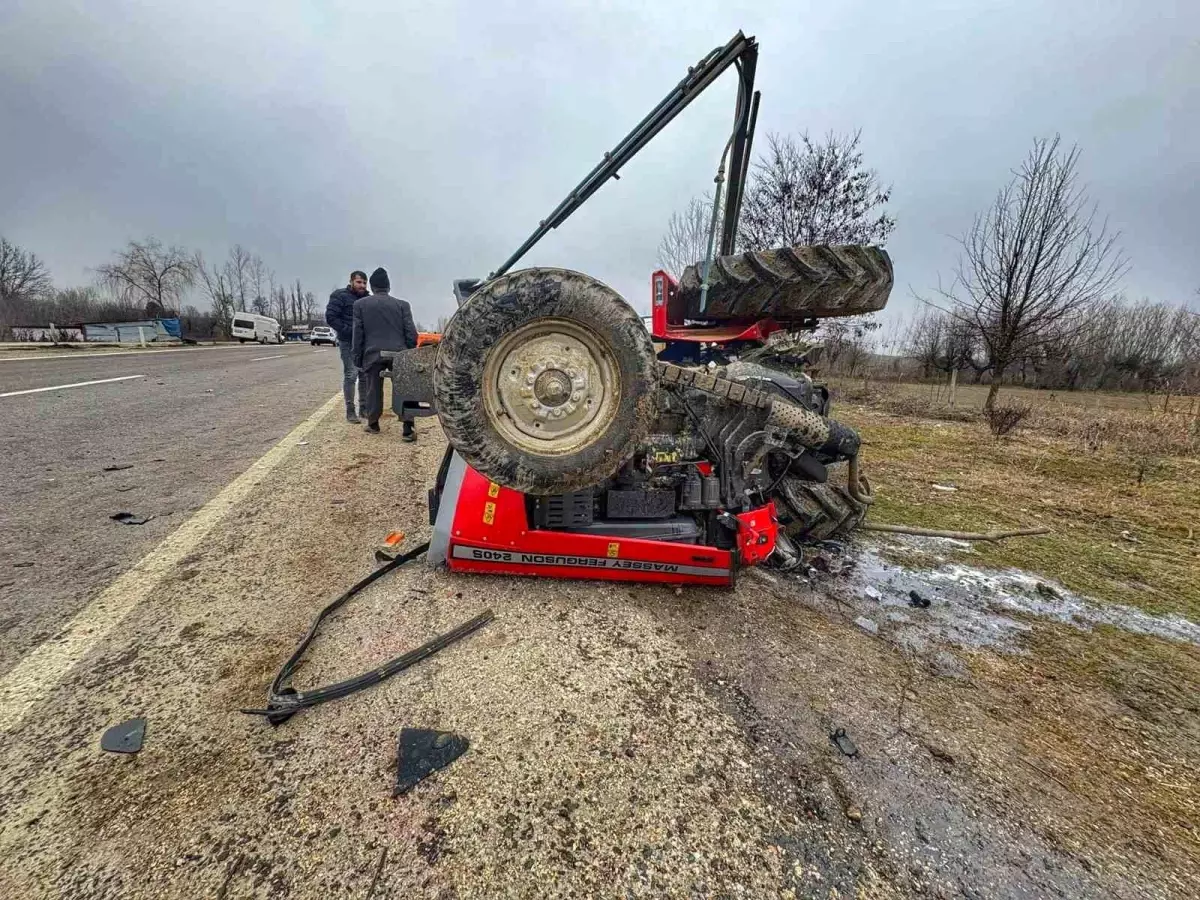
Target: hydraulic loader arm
x,y
741,51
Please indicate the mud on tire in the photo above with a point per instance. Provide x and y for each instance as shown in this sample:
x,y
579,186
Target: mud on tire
x,y
791,284
546,381
809,511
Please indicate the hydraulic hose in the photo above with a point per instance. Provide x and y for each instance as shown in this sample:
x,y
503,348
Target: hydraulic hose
x,y
284,701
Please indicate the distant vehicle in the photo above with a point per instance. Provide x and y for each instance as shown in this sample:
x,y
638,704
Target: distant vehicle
x,y
322,334
253,327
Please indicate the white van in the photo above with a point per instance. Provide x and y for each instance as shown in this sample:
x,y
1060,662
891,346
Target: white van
x,y
253,327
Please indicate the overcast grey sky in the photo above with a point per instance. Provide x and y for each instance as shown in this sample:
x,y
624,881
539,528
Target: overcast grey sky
x,y
431,138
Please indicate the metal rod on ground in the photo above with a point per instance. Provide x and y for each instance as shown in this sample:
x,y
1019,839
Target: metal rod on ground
x,y
956,535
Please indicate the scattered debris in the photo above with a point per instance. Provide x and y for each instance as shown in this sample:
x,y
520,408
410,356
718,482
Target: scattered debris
x,y
23,565
854,814
916,600
301,443
1045,590
378,872
124,738
128,487
1130,536
391,547
842,741
948,488
128,518
422,752
118,468
872,594
867,625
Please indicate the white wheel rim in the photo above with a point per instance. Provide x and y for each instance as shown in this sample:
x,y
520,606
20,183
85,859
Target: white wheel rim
x,y
551,387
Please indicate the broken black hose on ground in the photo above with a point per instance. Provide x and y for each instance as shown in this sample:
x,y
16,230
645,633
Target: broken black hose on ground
x,y
284,701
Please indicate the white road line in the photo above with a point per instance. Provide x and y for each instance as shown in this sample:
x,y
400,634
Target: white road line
x,y
38,672
261,358
63,387
51,356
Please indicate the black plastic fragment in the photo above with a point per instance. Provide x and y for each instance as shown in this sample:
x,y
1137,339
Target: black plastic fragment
x,y
915,599
128,518
422,752
842,741
124,738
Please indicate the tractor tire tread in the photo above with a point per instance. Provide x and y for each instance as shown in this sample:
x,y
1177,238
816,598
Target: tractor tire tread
x,y
791,284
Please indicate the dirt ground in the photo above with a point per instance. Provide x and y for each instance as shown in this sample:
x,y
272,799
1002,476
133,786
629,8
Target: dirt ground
x,y
625,740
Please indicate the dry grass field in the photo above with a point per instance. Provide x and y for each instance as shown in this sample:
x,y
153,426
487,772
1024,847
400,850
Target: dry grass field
x,y
1118,484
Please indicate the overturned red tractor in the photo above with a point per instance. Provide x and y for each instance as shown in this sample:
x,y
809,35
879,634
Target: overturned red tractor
x,y
578,450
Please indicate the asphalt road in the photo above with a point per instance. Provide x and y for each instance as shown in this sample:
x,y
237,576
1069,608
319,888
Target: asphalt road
x,y
184,423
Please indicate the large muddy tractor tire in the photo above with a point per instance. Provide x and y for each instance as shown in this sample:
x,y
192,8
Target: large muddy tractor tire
x,y
809,511
791,284
546,381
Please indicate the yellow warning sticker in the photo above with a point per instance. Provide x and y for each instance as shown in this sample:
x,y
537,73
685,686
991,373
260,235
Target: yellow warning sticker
x,y
493,489
613,549
489,513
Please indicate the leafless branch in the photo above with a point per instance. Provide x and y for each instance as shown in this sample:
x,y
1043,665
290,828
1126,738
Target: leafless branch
x,y
149,275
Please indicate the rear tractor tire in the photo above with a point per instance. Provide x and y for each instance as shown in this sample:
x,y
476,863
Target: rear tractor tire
x,y
546,381
791,284
809,511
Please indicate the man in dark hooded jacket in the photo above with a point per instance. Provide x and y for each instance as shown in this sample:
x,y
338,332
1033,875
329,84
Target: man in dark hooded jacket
x,y
339,315
381,323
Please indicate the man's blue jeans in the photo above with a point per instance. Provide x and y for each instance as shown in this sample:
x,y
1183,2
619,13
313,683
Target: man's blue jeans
x,y
350,374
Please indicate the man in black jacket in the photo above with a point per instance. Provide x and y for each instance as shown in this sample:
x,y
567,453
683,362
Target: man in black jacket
x,y
381,322
339,316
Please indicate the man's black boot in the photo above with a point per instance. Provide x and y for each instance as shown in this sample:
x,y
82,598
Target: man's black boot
x,y
350,416
408,434
371,428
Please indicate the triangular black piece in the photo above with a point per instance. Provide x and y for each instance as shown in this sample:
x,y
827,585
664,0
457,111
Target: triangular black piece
x,y
423,751
124,738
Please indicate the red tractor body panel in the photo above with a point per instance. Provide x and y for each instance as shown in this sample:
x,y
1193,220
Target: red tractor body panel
x,y
491,534
668,325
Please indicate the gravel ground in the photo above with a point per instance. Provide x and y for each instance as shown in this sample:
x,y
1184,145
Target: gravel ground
x,y
626,740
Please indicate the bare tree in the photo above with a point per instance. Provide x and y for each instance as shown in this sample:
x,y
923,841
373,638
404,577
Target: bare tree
x,y
686,240
848,342
925,338
808,192
239,277
302,303
259,276
197,324
24,279
280,302
215,280
148,275
1034,262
